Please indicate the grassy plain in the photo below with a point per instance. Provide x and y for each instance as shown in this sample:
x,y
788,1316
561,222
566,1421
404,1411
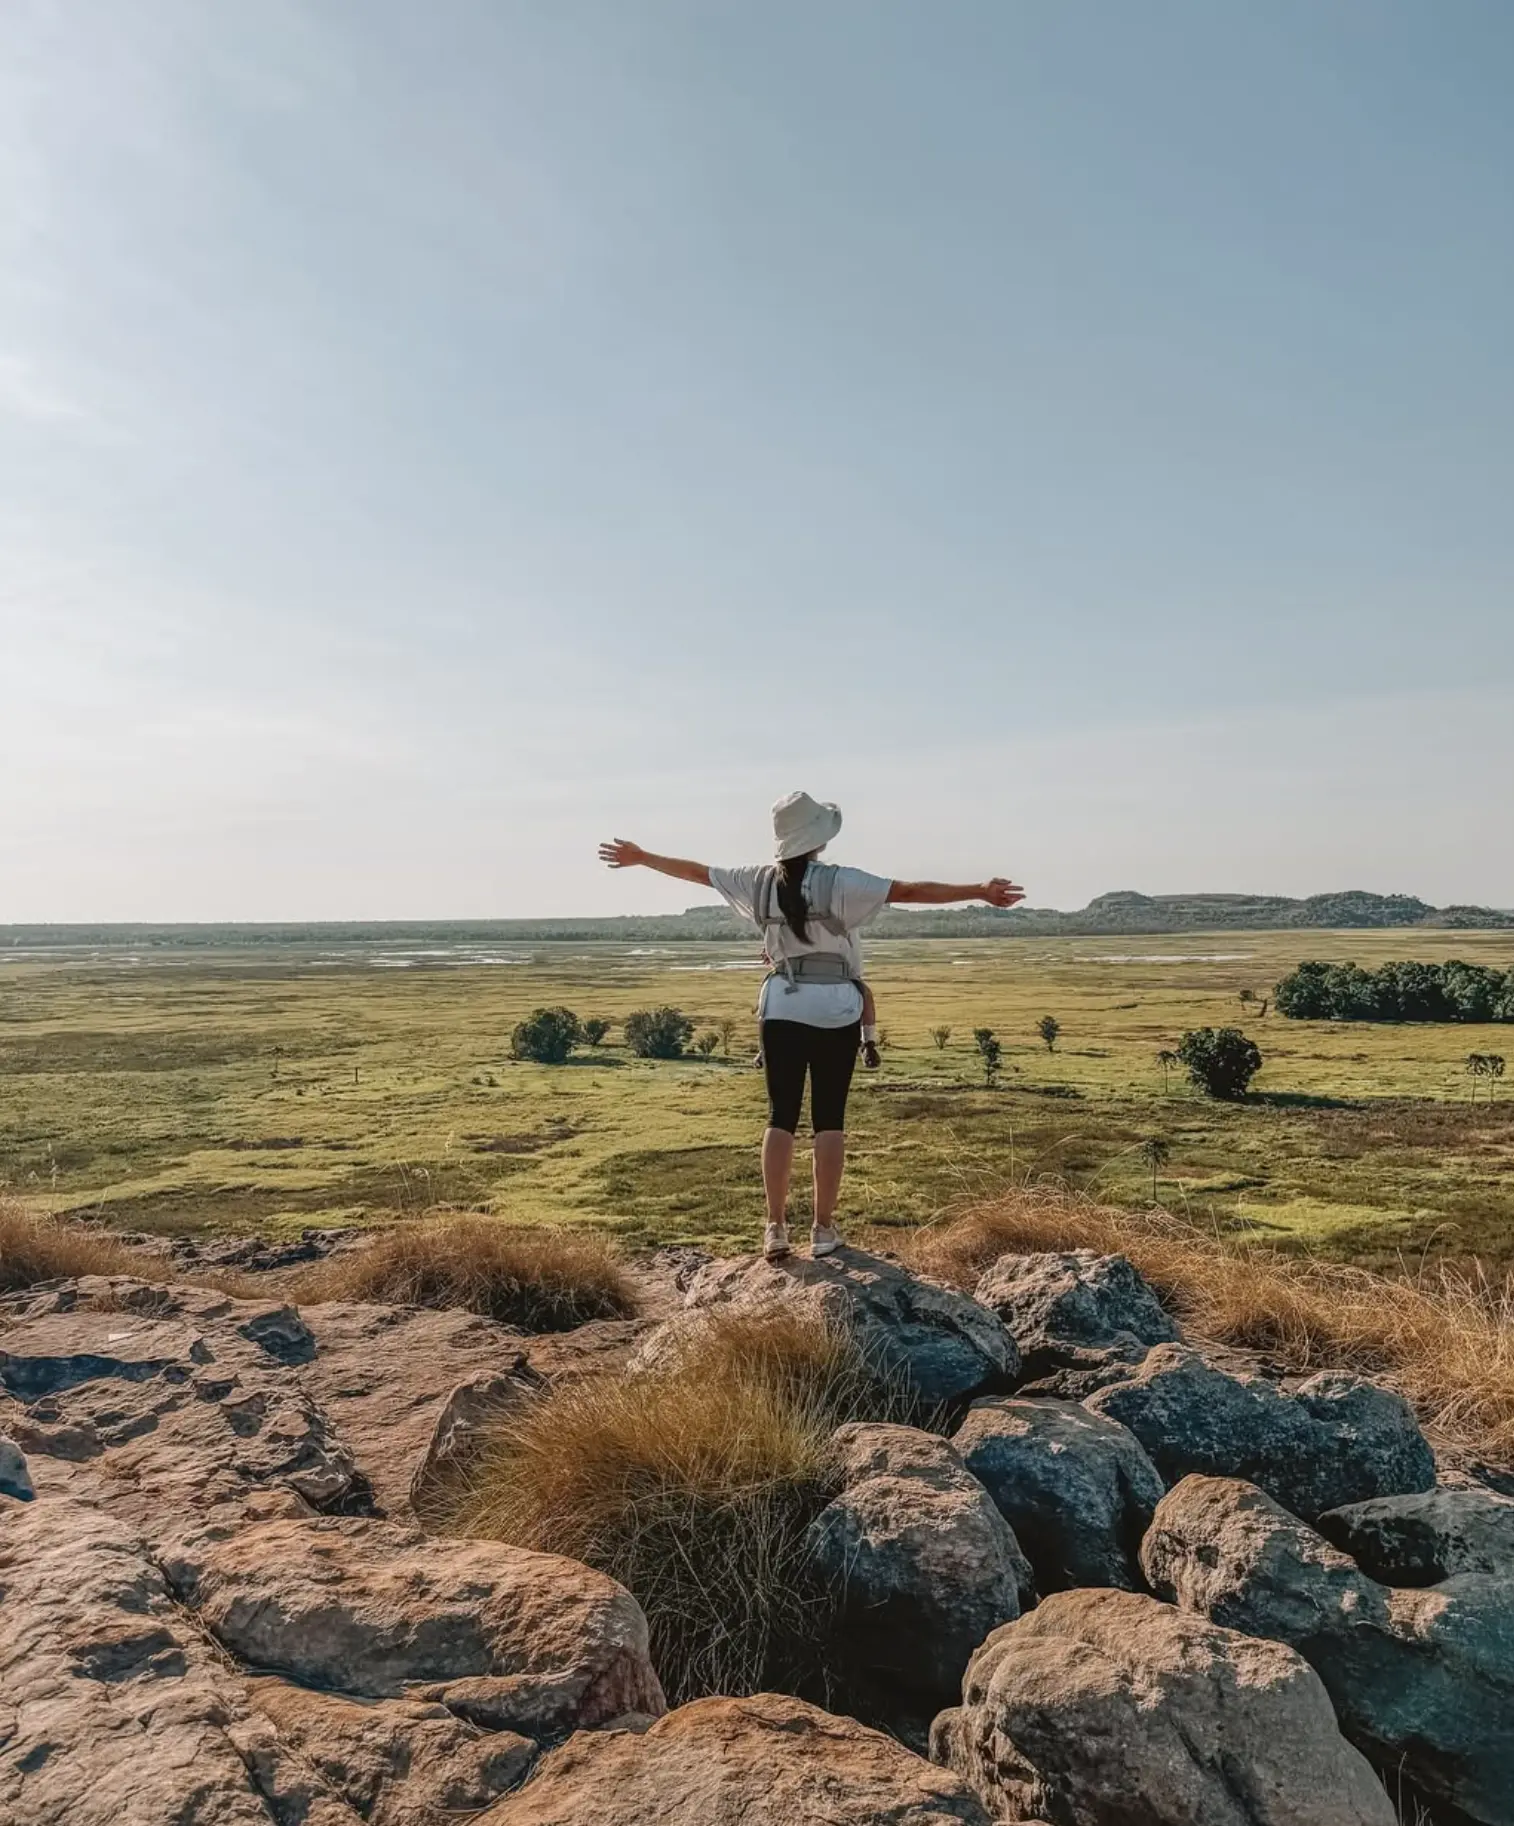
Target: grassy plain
x,y
247,1090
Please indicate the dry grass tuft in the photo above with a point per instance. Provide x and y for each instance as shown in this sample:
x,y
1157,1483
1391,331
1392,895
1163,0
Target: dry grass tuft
x,y
36,1248
693,1486
1444,1337
540,1280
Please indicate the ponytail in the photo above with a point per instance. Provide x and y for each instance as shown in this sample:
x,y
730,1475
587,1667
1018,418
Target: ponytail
x,y
791,894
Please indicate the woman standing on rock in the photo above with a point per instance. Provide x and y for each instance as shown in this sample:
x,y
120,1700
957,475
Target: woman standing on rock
x,y
810,1006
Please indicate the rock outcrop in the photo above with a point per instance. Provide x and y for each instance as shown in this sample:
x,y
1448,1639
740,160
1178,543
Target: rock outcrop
x,y
925,1565
1075,1310
765,1761
1422,1539
1076,1487
1332,1440
1422,1678
509,1639
1106,1708
942,1347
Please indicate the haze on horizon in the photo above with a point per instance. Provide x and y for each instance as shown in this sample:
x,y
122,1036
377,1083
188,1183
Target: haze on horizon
x,y
1078,439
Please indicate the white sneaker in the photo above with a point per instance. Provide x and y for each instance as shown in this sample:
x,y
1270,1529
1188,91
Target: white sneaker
x,y
775,1242
825,1239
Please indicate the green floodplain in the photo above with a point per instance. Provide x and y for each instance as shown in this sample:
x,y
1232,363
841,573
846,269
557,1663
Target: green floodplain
x,y
236,1084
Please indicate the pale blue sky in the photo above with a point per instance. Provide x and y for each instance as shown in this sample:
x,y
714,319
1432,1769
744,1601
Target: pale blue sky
x,y
1078,437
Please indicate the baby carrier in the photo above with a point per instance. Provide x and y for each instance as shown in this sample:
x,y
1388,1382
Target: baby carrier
x,y
819,905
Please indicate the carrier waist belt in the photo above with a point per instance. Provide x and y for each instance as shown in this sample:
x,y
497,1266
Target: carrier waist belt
x,y
813,967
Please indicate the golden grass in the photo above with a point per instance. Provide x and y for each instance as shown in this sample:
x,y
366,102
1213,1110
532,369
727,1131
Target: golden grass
x,y
692,1485
1444,1337
36,1248
538,1279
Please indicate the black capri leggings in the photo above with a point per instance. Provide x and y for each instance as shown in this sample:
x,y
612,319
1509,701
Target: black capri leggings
x,y
828,1054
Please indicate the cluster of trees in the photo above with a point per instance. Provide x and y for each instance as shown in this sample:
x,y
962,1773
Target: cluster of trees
x,y
1452,991
1048,1027
1488,1065
549,1035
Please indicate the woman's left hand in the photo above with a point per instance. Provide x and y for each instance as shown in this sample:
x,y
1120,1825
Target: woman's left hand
x,y
622,854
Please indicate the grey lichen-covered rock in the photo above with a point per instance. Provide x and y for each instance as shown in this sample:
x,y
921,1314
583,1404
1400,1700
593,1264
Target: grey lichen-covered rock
x,y
1106,1708
764,1761
1334,1439
1423,1679
943,1347
506,1638
15,1479
1427,1537
1063,1307
925,1564
1076,1487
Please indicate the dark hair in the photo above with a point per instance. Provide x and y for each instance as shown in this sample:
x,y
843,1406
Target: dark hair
x,y
791,893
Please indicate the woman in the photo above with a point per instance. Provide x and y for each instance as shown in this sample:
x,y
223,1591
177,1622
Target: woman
x,y
810,1006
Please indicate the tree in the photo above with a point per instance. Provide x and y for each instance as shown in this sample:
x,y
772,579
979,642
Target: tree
x,y
547,1036
1155,1150
706,1043
992,1053
1495,1071
1220,1060
1247,996
1477,1067
1049,1027
940,1035
594,1030
727,1034
658,1033
1169,1062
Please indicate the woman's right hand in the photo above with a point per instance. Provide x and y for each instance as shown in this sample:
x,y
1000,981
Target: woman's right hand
x,y
1002,893
622,854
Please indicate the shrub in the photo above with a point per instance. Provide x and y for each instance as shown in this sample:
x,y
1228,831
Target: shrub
x,y
706,1044
1049,1027
548,1036
1220,1060
658,1033
35,1248
540,1280
594,1030
940,1035
693,1486
991,1051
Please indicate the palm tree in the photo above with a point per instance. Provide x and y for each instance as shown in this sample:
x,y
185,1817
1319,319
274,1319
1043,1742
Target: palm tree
x,y
1156,1152
1169,1062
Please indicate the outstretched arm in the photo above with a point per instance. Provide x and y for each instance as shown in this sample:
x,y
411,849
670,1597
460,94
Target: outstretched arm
x,y
623,855
998,893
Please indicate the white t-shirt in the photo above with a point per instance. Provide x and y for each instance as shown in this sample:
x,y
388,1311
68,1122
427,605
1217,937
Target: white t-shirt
x,y
857,898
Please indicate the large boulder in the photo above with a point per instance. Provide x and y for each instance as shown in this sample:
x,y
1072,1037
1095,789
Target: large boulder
x,y
111,1712
1106,1708
765,1761
117,1711
1334,1439
1076,1487
925,1564
943,1348
511,1640
394,1762
15,1479
1422,1679
1427,1537
1062,1307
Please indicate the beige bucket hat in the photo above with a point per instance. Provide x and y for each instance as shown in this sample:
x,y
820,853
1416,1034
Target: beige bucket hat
x,y
802,824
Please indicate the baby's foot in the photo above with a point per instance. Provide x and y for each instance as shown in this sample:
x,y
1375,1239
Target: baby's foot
x,y
870,1055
